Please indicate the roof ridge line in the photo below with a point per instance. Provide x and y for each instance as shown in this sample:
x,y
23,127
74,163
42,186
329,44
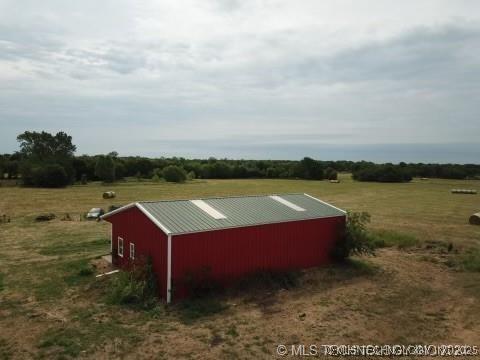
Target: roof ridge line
x,y
219,197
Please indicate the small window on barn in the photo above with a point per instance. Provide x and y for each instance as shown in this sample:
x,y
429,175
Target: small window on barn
x,y
132,251
120,247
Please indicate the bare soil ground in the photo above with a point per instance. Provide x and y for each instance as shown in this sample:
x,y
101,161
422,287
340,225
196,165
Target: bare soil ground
x,y
397,299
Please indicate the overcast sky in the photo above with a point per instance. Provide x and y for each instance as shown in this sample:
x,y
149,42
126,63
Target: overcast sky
x,y
376,80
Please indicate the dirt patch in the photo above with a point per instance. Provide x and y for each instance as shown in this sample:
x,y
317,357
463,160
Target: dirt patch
x,y
405,301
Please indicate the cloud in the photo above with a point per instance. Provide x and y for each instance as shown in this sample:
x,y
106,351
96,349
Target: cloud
x,y
232,73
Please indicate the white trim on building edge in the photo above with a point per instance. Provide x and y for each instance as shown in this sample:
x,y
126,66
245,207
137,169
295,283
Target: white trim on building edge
x,y
151,217
104,216
323,202
169,268
120,247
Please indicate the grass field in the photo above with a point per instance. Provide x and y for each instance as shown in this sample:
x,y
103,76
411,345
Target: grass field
x,y
423,287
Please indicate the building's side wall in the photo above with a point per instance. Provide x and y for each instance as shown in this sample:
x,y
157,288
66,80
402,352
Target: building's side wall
x,y
232,253
134,227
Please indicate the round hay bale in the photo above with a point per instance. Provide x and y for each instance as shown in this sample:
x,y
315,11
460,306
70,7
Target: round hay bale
x,y
464,191
109,194
475,219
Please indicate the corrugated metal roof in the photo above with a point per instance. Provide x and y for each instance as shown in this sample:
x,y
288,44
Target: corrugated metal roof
x,y
184,216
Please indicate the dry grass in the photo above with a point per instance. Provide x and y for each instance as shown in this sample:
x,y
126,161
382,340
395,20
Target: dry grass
x,y
49,310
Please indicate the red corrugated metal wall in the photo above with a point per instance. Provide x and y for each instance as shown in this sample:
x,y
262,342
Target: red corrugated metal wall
x,y
232,253
133,226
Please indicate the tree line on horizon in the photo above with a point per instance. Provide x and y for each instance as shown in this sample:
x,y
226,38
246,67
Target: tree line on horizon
x,y
48,160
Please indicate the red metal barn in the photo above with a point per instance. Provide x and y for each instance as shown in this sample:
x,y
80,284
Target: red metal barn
x,y
231,236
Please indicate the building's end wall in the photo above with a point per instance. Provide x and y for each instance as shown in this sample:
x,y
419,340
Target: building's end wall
x,y
134,227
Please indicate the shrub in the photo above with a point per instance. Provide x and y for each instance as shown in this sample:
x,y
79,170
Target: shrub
x,y
105,169
137,287
382,173
355,240
50,176
217,170
191,175
271,173
309,168
331,174
84,179
173,173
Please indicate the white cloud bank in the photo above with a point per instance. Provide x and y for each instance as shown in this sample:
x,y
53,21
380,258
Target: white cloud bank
x,y
261,79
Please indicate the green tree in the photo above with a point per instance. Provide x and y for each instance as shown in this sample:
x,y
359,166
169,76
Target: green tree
x,y
43,146
331,174
382,173
309,168
173,173
191,175
271,172
51,175
105,169
43,155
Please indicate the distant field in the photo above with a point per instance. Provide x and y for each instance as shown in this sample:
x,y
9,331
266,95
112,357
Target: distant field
x,y
410,295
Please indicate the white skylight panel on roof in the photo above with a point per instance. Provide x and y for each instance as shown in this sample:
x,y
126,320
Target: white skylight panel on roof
x,y
208,209
287,203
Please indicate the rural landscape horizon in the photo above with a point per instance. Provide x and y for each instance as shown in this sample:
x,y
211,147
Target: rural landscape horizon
x,y
378,153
